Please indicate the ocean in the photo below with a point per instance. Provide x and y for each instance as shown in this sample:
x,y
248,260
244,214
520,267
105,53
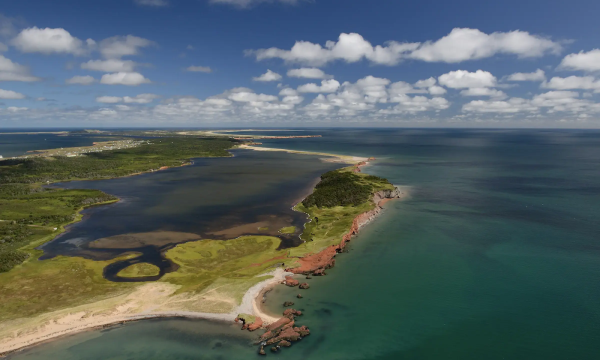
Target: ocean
x,y
494,255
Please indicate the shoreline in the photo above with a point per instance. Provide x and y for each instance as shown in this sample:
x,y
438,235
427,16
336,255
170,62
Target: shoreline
x,y
252,301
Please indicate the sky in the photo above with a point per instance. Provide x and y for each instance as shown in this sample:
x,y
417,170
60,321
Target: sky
x,y
300,63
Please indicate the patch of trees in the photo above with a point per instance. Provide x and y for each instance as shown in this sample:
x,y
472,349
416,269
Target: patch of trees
x,y
338,188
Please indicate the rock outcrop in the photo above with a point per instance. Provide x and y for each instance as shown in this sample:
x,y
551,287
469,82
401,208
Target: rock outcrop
x,y
290,281
304,286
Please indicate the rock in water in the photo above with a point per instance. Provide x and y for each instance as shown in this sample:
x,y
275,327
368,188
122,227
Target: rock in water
x,y
304,286
299,296
290,281
288,303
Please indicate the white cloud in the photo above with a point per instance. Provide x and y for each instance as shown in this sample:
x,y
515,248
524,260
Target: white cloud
x,y
460,45
48,41
326,86
513,105
538,75
572,82
153,3
11,71
268,76
470,44
586,61
81,80
288,92
308,73
110,65
118,46
243,4
138,99
484,92
425,83
204,69
9,94
247,95
415,104
436,90
462,79
124,78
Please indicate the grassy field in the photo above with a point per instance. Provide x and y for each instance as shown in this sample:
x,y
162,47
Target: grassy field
x,y
288,230
139,270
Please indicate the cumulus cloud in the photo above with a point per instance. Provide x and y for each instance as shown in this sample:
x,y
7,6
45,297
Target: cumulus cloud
x,y
471,44
49,41
538,75
138,99
9,94
484,92
11,71
152,3
244,4
204,69
462,79
81,80
110,65
327,86
586,61
513,105
268,76
461,44
308,73
118,46
124,78
573,82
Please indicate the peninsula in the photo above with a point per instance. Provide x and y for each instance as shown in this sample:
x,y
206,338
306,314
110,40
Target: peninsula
x,y
215,279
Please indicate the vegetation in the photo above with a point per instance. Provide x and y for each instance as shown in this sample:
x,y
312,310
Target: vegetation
x,y
164,152
139,270
340,197
288,230
343,188
31,214
38,287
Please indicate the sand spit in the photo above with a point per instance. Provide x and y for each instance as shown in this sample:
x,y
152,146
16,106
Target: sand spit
x,y
343,159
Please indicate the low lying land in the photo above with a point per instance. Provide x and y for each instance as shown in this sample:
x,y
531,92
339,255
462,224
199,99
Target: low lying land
x,y
216,279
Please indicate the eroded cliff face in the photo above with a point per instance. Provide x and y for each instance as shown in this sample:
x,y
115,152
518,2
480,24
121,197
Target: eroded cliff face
x,y
316,264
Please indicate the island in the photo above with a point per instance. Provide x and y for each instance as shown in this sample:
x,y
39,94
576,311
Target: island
x,y
214,279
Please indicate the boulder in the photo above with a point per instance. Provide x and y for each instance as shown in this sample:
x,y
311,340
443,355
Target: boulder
x,y
290,281
304,286
299,296
288,303
284,343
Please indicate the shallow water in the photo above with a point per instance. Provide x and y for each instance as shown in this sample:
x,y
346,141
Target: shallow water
x,y
496,255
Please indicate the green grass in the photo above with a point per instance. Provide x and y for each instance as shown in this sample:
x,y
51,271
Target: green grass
x,y
202,262
139,270
288,230
37,287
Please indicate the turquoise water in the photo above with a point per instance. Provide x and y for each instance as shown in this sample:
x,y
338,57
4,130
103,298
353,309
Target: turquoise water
x,y
495,255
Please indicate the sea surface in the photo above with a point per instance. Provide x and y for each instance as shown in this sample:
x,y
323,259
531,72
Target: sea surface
x,y
495,255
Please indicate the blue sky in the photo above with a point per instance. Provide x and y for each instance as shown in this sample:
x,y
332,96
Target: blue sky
x,y
280,63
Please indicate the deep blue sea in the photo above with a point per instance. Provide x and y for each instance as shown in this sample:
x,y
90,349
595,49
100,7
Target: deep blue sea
x,y
495,255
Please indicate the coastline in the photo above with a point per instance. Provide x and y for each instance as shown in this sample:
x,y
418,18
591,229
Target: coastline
x,y
74,321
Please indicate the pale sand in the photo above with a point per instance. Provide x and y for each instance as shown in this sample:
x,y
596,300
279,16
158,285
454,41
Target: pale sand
x,y
147,301
344,159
